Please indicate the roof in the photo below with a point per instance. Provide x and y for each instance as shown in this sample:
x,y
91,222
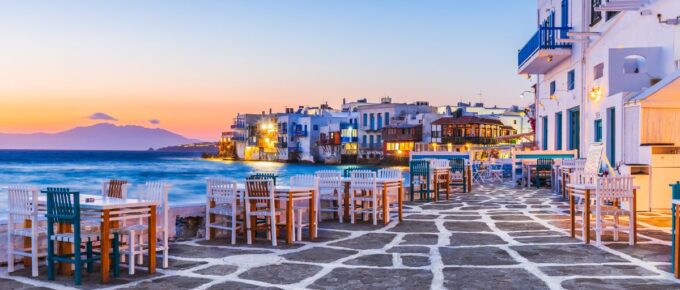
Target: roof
x,y
467,120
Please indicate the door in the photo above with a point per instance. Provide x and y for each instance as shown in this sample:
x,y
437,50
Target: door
x,y
574,129
611,136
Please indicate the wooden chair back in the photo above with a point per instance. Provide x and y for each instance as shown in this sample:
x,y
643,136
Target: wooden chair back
x,y
260,189
115,188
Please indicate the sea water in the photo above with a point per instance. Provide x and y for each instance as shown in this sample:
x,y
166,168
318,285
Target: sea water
x,y
85,171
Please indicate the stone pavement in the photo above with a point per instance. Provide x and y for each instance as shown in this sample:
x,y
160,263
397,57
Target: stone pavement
x,y
497,237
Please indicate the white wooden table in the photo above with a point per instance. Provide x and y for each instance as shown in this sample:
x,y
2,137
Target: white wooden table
x,y
587,192
109,211
289,195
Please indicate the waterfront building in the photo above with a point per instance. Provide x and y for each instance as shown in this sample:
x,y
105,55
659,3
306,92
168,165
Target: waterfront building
x,y
460,133
266,138
372,119
608,71
226,146
244,127
513,116
338,138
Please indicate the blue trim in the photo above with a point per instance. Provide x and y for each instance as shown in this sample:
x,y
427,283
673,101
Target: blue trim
x,y
449,157
544,156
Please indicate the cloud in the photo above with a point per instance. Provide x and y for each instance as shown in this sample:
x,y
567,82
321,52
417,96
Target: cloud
x,y
154,121
102,116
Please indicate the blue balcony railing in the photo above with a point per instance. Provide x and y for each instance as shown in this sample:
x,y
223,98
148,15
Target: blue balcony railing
x,y
544,38
300,133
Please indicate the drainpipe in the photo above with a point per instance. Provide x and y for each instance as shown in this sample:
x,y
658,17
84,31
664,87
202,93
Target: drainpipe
x,y
584,70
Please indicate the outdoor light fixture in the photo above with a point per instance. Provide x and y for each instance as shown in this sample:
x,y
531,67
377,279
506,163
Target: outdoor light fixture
x,y
595,93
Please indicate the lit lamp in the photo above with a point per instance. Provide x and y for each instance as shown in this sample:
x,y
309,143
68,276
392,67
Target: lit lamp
x,y
595,93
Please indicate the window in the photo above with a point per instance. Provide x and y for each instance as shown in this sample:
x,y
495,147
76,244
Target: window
x,y
611,135
573,129
571,80
544,142
558,131
371,138
553,88
387,118
598,71
364,140
315,127
598,130
379,139
595,16
365,120
380,121
372,118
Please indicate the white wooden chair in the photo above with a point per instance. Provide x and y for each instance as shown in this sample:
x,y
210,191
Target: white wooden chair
x,y
363,188
22,206
331,190
136,247
262,193
222,201
310,181
393,190
614,197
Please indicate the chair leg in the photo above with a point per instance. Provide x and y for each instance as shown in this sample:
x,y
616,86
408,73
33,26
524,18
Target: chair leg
x,y
351,207
299,226
78,263
233,224
88,250
50,252
340,207
166,248
249,239
140,253
116,255
131,252
34,256
616,226
272,222
374,207
10,250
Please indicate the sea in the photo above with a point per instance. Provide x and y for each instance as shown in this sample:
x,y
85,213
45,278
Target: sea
x,y
85,171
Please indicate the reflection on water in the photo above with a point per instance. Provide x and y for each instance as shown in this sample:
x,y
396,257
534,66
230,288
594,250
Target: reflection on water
x,y
85,171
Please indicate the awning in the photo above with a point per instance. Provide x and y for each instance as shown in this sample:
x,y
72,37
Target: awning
x,y
665,93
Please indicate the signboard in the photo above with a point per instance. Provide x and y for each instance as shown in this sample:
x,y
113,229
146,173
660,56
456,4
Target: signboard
x,y
594,159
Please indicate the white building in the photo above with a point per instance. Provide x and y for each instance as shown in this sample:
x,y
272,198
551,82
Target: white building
x,y
607,71
513,116
373,117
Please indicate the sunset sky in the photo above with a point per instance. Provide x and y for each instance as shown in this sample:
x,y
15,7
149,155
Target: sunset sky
x,y
190,66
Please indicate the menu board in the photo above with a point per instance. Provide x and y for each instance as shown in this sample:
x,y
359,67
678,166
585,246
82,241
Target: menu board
x,y
594,159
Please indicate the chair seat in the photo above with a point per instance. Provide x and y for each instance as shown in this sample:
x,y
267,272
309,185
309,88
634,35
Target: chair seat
x,y
26,232
225,210
267,212
70,237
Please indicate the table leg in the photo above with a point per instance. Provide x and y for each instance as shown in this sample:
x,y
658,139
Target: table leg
x,y
312,216
106,245
152,239
289,219
572,214
64,248
634,209
27,243
253,220
400,198
586,220
212,232
386,205
448,184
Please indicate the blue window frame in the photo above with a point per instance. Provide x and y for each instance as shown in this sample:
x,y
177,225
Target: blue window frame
x,y
571,80
544,142
371,138
574,129
387,118
372,118
379,139
553,88
598,130
363,139
365,119
558,131
380,121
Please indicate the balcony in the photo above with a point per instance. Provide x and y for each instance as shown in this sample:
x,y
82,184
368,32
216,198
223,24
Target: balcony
x,y
282,145
299,133
471,140
544,51
371,147
238,126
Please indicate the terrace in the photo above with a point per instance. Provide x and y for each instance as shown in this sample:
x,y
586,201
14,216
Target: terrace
x,y
496,237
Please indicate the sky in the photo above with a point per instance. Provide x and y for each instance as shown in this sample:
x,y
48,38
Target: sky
x,y
191,66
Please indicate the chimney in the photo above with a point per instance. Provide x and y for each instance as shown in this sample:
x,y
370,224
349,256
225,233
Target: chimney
x,y
270,111
344,101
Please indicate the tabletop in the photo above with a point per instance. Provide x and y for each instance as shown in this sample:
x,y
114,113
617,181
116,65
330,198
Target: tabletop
x,y
104,203
378,180
590,186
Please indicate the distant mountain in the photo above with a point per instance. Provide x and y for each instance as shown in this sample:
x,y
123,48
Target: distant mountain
x,y
103,136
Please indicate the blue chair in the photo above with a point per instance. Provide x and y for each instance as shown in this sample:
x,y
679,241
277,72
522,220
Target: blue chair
x,y
63,207
676,195
543,171
419,171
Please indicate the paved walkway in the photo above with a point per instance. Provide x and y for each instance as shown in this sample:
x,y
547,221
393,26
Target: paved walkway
x,y
497,237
